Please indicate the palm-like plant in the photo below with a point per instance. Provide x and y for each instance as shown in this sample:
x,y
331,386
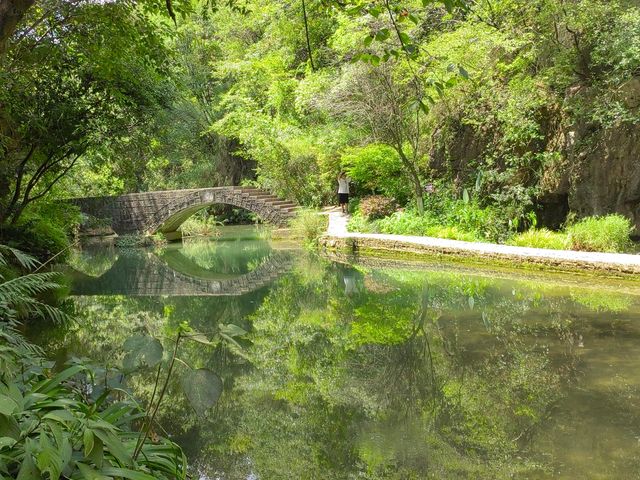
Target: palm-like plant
x,y
19,295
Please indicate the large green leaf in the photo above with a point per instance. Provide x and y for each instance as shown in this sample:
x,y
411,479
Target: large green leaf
x,y
28,469
9,427
114,446
96,454
7,405
48,458
202,388
142,351
7,442
47,386
89,473
126,473
232,330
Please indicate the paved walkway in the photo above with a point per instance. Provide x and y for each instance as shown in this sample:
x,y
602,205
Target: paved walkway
x,y
565,259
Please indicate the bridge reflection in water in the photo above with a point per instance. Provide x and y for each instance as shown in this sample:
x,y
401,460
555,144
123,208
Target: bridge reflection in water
x,y
199,269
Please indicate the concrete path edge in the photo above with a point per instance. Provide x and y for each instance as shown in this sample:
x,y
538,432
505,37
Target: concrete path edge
x,y
338,238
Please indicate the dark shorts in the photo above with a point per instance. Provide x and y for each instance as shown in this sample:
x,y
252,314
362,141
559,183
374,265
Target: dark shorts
x,y
343,198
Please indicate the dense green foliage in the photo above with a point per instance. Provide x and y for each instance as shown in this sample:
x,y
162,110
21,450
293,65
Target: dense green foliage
x,y
475,97
377,169
445,216
65,424
71,422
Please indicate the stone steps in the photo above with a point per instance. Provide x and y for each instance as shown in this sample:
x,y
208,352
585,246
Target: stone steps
x,y
286,207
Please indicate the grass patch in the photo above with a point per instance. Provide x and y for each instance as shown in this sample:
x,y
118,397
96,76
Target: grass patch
x,y
309,225
359,223
601,234
410,223
200,225
541,238
592,234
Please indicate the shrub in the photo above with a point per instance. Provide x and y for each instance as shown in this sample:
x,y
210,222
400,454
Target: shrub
x,y
541,238
39,236
200,224
44,230
309,225
377,169
601,234
407,223
485,222
359,223
374,207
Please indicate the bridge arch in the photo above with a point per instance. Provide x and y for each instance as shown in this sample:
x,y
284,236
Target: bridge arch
x,y
169,218
164,211
138,273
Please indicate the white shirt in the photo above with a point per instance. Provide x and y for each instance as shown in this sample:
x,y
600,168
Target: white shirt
x,y
343,184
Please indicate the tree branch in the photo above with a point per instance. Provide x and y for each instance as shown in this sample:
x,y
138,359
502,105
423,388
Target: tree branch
x,y
18,185
306,32
27,200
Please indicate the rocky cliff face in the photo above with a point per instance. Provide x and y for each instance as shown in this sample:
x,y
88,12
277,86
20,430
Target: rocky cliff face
x,y
604,163
598,171
606,176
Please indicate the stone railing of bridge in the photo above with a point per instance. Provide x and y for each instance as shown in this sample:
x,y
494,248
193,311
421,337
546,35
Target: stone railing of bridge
x,y
164,211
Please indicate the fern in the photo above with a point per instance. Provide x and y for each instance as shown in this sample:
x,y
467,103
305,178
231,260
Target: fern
x,y
24,260
18,296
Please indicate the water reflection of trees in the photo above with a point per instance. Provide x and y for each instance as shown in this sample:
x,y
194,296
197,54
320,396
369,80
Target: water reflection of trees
x,y
409,375
394,373
93,260
227,257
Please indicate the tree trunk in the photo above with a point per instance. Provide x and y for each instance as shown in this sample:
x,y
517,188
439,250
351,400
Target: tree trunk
x,y
419,200
415,178
11,12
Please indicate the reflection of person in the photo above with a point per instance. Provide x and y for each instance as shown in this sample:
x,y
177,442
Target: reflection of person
x,y
349,280
343,191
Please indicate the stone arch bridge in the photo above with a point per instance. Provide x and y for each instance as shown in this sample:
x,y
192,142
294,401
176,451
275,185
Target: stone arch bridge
x,y
164,211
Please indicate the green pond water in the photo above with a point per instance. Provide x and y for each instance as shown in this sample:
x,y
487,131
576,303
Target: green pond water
x,y
370,369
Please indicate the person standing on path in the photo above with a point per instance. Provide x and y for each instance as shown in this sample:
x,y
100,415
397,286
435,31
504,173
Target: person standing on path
x,y
343,191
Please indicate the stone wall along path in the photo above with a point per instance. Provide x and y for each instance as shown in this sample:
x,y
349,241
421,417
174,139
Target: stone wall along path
x,y
337,237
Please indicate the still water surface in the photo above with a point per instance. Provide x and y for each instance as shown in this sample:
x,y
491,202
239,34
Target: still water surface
x,y
335,369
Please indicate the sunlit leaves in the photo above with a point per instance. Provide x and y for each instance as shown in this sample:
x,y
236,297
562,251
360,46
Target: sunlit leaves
x,y
232,330
394,38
